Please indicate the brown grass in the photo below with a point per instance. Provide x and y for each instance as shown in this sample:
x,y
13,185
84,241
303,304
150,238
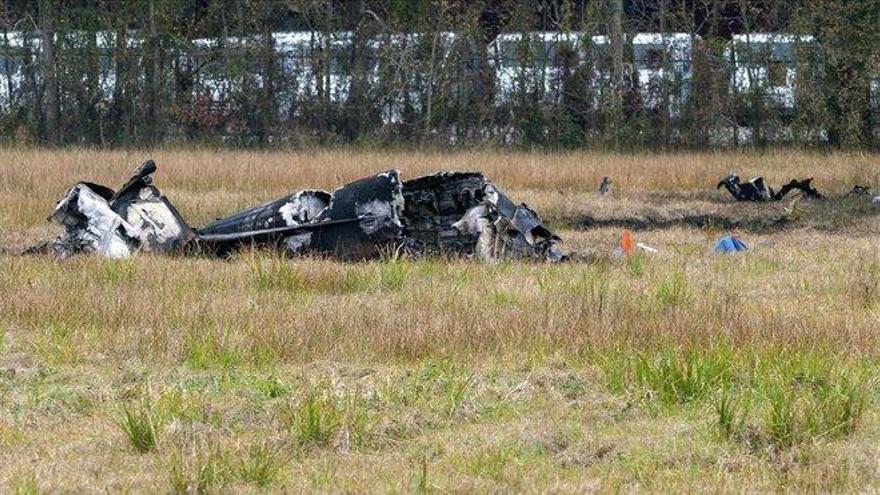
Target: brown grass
x,y
206,183
444,375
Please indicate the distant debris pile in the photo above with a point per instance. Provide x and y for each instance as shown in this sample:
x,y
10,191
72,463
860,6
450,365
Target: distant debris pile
x,y
756,190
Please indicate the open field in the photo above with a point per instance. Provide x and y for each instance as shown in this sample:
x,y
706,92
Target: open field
x,y
680,371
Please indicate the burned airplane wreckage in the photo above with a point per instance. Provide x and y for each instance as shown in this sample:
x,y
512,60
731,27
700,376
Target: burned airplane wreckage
x,y
756,190
449,213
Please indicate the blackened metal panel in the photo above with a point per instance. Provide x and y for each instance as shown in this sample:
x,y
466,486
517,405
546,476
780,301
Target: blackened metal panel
x,y
156,222
433,204
360,219
114,224
299,208
377,203
140,179
521,229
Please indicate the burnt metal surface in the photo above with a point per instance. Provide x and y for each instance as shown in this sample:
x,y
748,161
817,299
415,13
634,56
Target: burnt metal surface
x,y
520,230
457,213
859,190
358,220
756,190
376,203
158,225
433,204
805,186
507,230
297,209
97,219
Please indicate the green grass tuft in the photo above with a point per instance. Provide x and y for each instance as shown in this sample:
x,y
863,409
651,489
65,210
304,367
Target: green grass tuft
x,y
315,417
118,272
393,274
262,466
141,426
275,273
272,387
200,474
790,403
673,291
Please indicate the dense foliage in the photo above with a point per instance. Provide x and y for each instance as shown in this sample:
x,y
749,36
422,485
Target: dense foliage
x,y
154,71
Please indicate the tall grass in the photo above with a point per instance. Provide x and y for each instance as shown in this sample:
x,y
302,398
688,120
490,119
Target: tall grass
x,y
141,425
668,376
205,183
120,271
200,474
323,415
786,406
261,466
306,374
759,398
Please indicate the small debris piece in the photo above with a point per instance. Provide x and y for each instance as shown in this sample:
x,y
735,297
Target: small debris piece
x,y
647,248
626,244
858,190
604,187
805,186
730,244
754,190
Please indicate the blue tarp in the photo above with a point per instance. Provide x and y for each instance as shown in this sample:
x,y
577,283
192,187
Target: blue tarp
x,y
729,244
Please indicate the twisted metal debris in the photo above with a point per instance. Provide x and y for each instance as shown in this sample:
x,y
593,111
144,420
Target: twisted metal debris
x,y
756,190
449,213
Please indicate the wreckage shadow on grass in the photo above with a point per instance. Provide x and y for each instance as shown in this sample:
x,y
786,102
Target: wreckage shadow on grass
x,y
828,215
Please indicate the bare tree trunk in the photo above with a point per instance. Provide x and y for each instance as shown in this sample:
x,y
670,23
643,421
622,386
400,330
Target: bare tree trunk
x,y
617,41
668,77
429,105
90,101
7,73
617,69
50,100
267,106
30,91
117,122
154,79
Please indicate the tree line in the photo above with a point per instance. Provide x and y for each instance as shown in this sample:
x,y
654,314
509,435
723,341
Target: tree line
x,y
439,72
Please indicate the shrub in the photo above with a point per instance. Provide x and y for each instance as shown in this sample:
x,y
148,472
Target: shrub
x,y
678,379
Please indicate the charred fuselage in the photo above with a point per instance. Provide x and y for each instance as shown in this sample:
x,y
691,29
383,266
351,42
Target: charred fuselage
x,y
449,213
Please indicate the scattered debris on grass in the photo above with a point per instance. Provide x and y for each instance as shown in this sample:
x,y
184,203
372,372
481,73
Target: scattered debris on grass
x,y
647,248
756,190
625,248
859,190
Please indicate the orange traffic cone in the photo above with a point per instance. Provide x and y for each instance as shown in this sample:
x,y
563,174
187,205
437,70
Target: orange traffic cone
x,y
626,242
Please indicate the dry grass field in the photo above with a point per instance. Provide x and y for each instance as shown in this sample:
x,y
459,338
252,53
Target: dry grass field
x,y
680,371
